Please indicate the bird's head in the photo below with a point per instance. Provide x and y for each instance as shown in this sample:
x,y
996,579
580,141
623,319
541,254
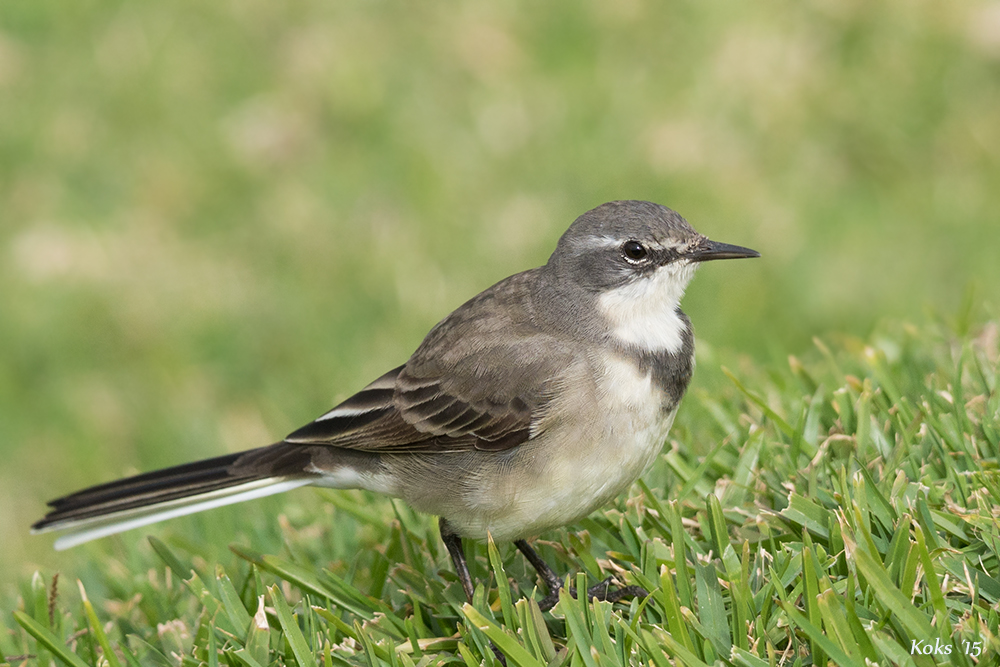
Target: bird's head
x,y
635,258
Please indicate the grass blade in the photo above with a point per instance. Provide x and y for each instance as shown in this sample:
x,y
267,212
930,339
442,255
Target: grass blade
x,y
231,602
892,599
95,627
45,637
816,635
293,634
503,586
712,609
507,645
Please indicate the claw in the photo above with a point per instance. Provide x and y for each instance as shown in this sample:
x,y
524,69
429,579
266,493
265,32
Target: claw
x,y
601,591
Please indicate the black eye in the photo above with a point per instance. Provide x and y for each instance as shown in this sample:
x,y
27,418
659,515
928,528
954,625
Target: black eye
x,y
634,251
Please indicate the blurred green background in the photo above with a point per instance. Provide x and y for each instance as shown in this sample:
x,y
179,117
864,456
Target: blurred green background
x,y
216,219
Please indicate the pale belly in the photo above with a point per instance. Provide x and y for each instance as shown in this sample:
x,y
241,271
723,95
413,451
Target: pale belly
x,y
572,469
574,486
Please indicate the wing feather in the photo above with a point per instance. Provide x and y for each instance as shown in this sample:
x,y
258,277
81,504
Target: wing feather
x,y
482,379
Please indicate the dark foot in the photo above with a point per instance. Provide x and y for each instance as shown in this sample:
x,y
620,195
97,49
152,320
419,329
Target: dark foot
x,y
601,591
605,591
454,544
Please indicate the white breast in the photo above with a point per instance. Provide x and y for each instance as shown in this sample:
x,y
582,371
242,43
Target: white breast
x,y
581,465
643,313
625,438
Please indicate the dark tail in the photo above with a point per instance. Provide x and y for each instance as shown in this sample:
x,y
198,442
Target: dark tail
x,y
163,494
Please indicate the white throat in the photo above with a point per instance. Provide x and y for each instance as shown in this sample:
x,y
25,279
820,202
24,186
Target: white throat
x,y
643,313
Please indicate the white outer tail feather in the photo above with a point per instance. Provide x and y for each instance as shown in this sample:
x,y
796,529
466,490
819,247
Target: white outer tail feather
x,y
85,530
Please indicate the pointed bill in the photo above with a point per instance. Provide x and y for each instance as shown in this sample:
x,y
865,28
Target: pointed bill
x,y
709,250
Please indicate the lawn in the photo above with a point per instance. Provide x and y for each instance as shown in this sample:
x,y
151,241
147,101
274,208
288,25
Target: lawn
x,y
846,510
218,219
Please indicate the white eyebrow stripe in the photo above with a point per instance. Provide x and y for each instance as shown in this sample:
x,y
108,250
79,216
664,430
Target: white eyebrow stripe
x,y
597,242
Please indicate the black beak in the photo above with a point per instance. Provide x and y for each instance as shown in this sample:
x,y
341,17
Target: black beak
x,y
708,250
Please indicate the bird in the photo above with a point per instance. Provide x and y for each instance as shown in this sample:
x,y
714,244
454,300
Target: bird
x,y
530,406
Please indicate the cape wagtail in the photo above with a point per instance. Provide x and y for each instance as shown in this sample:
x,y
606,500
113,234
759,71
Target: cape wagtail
x,y
527,408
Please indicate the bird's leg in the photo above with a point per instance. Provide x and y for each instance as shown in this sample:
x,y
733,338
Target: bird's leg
x,y
552,581
454,544
601,591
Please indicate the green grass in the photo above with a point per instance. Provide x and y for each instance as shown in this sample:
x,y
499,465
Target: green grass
x,y
216,219
841,507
